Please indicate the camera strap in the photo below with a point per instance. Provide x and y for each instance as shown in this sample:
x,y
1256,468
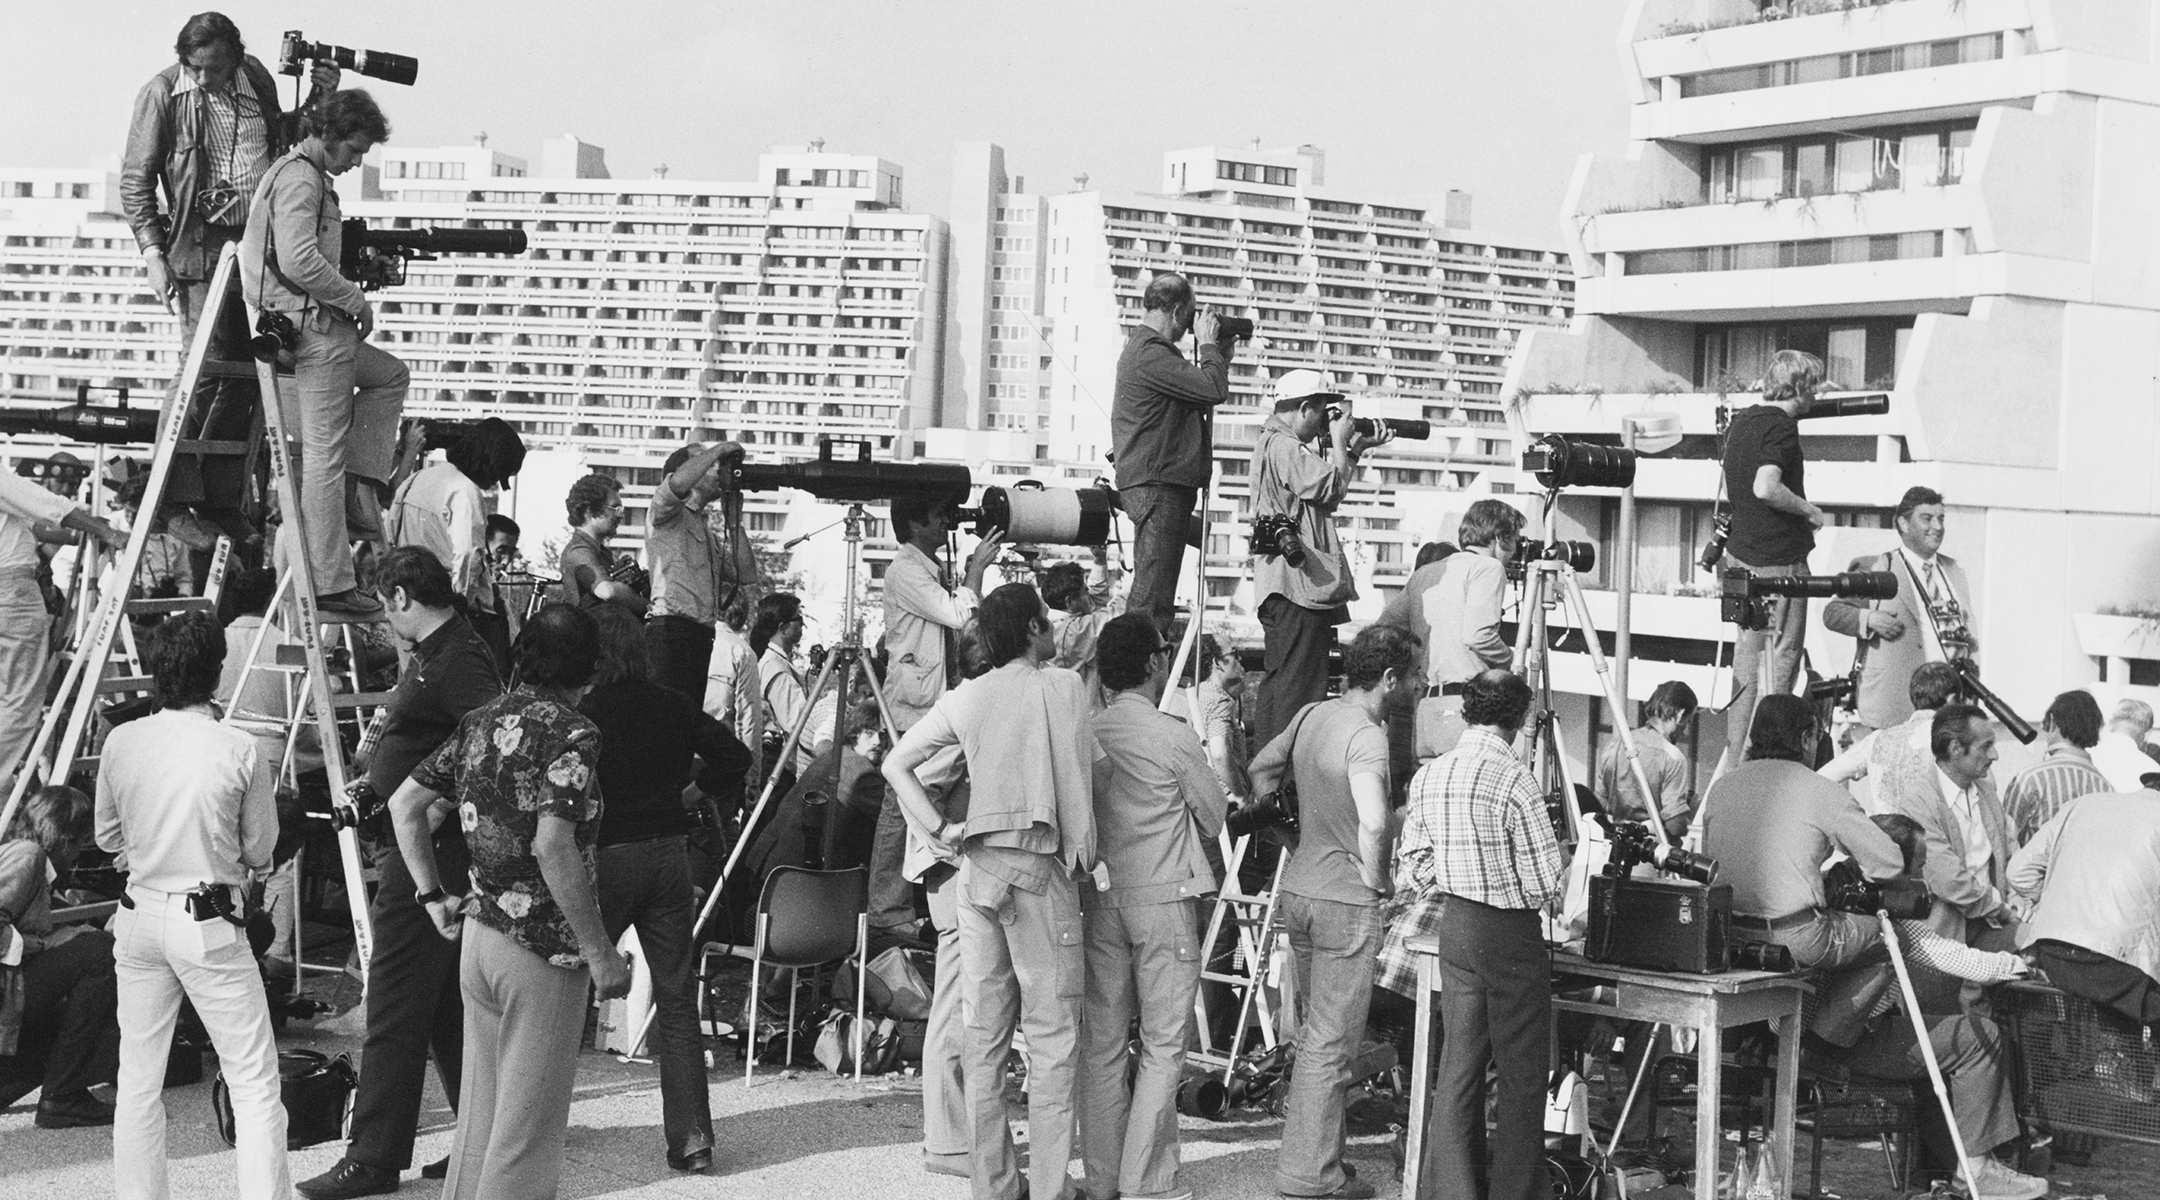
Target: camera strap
x,y
270,260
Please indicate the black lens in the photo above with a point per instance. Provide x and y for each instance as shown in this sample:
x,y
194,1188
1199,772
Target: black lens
x,y
1416,431
1844,406
1905,899
1698,867
1240,328
1561,462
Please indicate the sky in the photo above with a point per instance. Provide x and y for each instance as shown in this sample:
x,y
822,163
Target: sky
x,y
1408,98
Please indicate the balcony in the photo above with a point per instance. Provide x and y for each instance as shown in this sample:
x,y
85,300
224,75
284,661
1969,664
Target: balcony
x,y
1923,59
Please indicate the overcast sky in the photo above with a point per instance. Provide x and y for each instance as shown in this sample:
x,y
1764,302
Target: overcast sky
x,y
1408,97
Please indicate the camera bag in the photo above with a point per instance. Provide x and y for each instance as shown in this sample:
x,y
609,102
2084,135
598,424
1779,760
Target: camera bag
x,y
317,1090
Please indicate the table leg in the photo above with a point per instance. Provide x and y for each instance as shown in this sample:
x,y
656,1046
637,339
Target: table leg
x,y
1709,1092
1788,1091
1420,1077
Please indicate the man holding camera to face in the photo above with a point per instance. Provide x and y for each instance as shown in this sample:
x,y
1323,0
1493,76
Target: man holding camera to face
x,y
1299,571
350,393
1160,435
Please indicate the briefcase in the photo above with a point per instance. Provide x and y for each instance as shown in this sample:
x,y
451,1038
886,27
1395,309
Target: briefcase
x,y
1659,924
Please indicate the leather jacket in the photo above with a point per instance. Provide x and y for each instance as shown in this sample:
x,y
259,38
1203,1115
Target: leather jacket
x,y
166,146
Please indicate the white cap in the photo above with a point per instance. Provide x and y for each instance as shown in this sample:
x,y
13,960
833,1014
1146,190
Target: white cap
x,y
1303,384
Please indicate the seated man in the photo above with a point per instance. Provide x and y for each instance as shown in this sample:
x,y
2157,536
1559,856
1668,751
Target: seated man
x,y
2069,731
1969,839
1897,760
2095,870
1968,1048
1666,716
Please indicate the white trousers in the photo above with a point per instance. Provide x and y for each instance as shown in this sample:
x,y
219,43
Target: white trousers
x,y
162,954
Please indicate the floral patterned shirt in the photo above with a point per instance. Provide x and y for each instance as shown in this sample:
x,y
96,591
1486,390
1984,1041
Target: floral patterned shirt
x,y
511,760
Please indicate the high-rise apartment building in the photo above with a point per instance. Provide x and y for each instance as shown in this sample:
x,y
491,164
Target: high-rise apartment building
x,y
1950,203
1407,309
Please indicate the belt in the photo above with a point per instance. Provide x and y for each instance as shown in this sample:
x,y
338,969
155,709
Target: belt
x,y
1791,920
1443,689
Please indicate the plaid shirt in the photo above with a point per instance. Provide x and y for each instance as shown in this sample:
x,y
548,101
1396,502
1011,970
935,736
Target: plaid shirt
x,y
1477,828
1405,917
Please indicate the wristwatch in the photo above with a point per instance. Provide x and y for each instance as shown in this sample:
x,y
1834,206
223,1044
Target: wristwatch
x,y
431,895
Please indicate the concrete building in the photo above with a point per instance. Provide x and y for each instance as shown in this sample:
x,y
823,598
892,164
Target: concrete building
x,y
1948,202
1411,313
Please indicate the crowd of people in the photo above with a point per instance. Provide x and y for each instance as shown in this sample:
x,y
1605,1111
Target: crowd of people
x,y
1033,795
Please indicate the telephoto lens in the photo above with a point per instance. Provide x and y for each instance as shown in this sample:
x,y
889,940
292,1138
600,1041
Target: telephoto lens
x,y
1561,462
1240,328
1416,431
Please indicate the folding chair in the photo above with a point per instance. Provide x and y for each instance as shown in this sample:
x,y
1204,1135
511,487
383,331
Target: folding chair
x,y
808,919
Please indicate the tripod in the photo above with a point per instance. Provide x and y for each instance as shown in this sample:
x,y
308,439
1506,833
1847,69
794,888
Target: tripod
x,y
846,660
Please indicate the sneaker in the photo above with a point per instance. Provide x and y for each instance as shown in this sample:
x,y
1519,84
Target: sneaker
x,y
350,1178
1998,1182
350,602
75,1110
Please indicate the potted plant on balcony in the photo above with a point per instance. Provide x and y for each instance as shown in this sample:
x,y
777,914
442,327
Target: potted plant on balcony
x,y
2120,631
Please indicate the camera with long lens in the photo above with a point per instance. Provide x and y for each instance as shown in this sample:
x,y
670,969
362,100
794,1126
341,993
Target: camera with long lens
x,y
375,64
1970,687
83,422
275,334
1276,536
376,258
1633,844
1845,889
360,805
1032,513
1276,810
1564,462
1402,427
1873,404
1579,556
1240,328
1745,600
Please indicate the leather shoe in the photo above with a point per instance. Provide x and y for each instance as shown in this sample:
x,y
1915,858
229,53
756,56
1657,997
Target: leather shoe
x,y
350,1178
696,1162
439,1169
75,1110
351,602
1352,1188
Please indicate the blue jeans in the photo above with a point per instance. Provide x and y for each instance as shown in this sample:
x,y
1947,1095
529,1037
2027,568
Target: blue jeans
x,y
1160,512
647,884
1335,945
351,395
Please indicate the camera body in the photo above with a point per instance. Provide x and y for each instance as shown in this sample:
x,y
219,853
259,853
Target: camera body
x,y
1713,551
1845,889
360,805
1579,556
1276,535
1276,810
275,334
212,901
375,64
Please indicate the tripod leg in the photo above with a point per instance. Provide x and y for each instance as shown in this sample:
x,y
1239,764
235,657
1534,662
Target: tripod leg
x,y
1927,1049
1618,703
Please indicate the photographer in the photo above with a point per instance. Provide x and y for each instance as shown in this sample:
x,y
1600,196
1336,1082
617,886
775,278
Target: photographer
x,y
58,1031
1160,437
1454,605
922,619
1156,806
1770,823
351,393
694,567
1666,716
1927,621
1297,488
413,1003
189,807
1968,837
204,130
25,625
1336,755
1773,529
523,771
590,571
1028,835
1477,832
1898,760
1968,1048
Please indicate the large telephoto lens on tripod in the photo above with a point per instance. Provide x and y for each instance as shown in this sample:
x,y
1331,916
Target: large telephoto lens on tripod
x,y
1051,516
1874,404
1563,462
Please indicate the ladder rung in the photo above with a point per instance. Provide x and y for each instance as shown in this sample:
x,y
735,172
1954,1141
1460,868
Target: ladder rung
x,y
172,604
359,700
203,446
113,684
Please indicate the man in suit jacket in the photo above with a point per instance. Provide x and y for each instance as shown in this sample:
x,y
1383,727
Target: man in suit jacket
x,y
1929,620
1969,840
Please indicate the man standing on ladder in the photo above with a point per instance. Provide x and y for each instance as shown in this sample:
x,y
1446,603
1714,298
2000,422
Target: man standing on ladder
x,y
350,393
1332,889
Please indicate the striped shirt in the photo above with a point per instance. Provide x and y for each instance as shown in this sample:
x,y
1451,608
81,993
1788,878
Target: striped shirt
x,y
2040,791
236,146
1477,828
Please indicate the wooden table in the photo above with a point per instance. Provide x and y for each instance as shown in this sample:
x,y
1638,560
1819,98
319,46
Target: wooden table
x,y
1704,1003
